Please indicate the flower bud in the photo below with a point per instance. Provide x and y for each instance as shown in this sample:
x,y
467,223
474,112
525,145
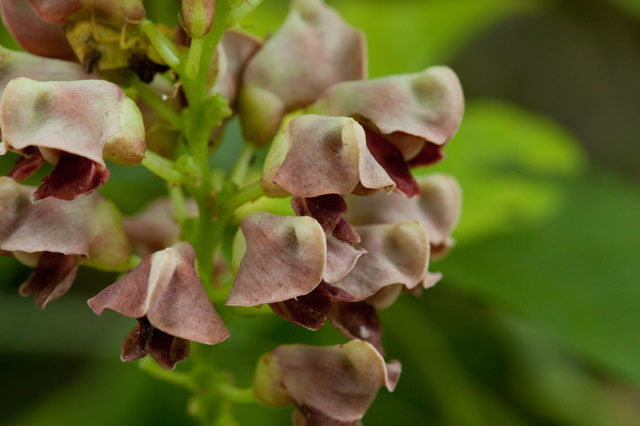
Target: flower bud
x,y
197,16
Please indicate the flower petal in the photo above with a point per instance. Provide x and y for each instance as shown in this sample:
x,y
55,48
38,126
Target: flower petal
x,y
413,109
33,33
285,258
71,177
166,288
134,345
329,385
358,320
437,209
396,254
167,350
325,50
118,10
326,155
85,118
309,311
341,258
237,48
52,278
25,167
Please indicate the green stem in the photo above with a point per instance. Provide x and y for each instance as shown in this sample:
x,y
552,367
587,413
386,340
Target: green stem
x,y
240,170
166,49
248,193
157,103
192,65
180,379
177,199
161,167
235,394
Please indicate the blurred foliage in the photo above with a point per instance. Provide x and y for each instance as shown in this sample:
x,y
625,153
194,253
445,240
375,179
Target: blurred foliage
x,y
536,319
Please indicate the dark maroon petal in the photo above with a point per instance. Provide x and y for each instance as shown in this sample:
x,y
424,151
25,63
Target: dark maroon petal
x,y
335,293
52,278
346,232
166,349
391,159
134,345
309,311
25,167
72,176
326,209
306,415
358,321
430,154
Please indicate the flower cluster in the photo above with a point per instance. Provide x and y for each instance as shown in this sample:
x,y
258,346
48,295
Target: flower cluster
x,y
103,83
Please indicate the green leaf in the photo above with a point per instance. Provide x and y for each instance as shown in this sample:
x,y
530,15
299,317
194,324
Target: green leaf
x,y
576,274
509,163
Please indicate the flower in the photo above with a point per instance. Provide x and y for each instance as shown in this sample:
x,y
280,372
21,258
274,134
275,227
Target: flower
x,y
325,51
74,125
197,16
166,295
330,385
56,236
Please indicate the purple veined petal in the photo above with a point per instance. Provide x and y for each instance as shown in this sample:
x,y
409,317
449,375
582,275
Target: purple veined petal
x,y
309,311
413,111
325,50
166,289
53,277
156,227
284,258
33,33
134,346
197,16
26,165
328,384
358,320
396,254
321,155
145,339
57,11
437,209
19,64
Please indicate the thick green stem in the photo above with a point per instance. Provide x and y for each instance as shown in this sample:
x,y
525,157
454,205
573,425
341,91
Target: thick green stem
x,y
162,167
192,65
157,103
174,377
236,395
177,199
247,194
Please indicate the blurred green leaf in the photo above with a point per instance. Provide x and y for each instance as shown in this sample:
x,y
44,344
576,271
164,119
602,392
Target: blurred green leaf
x,y
511,164
576,274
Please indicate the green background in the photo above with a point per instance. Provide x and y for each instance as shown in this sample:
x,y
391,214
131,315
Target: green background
x,y
537,318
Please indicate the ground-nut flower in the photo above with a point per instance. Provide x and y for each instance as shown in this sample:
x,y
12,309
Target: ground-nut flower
x,y
330,385
118,10
416,113
396,254
197,16
437,209
313,50
75,125
55,236
33,33
165,290
319,155
287,257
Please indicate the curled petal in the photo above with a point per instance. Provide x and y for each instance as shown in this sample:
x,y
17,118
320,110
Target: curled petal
x,y
25,167
414,111
324,155
237,49
85,118
20,64
309,311
134,346
72,176
358,320
437,209
284,258
33,33
341,258
167,290
197,16
144,338
323,48
328,211
329,385
396,254
52,278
